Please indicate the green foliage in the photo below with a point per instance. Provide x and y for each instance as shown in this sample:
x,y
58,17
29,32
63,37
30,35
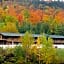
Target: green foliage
x,y
49,27
37,28
47,50
9,19
40,28
6,56
29,54
45,28
25,26
27,41
59,30
5,23
26,15
19,52
60,55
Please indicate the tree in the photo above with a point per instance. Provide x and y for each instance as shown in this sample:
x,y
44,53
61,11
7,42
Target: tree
x,y
26,15
11,27
25,26
48,51
35,13
27,41
59,17
13,12
59,29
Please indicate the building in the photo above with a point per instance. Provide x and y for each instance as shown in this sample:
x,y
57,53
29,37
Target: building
x,y
16,38
10,38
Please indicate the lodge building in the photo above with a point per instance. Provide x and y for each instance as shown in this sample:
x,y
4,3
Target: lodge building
x,y
9,38
15,38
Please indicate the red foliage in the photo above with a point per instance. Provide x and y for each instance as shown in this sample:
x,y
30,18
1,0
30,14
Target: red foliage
x,y
20,18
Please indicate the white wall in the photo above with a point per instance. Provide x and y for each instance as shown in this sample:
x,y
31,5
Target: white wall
x,y
12,46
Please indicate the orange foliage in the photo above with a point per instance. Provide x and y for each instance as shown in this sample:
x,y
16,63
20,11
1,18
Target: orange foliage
x,y
40,13
11,11
1,10
60,16
35,16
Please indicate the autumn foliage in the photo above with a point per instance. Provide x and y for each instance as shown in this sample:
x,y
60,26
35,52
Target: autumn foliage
x,y
23,18
60,16
34,15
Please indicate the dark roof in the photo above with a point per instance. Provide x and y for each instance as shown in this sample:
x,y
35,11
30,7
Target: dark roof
x,y
34,35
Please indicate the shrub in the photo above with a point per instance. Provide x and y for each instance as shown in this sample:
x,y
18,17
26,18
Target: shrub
x,y
48,52
60,55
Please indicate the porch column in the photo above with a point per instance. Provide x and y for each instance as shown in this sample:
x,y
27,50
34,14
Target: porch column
x,y
12,42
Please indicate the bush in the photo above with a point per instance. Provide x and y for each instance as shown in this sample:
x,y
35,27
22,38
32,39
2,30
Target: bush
x,y
26,54
48,51
60,55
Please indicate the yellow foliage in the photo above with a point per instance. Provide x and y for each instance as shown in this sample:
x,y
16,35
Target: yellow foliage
x,y
46,17
3,29
38,41
2,12
11,27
